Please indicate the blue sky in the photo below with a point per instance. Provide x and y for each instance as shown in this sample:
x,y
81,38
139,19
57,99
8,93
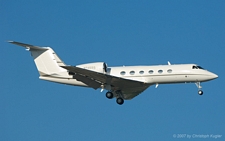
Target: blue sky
x,y
118,33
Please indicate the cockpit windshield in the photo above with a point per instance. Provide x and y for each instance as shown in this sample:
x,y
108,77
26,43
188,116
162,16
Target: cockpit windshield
x,y
197,67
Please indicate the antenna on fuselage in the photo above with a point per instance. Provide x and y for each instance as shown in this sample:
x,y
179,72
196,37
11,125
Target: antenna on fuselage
x,y
169,63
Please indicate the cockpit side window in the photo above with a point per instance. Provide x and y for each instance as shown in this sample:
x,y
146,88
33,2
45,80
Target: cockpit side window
x,y
194,67
197,67
200,67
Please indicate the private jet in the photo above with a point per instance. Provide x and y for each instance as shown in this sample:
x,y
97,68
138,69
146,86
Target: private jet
x,y
122,83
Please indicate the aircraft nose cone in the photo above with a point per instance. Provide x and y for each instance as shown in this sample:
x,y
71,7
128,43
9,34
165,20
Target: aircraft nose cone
x,y
214,76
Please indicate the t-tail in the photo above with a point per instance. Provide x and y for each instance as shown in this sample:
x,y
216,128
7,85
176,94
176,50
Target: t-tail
x,y
47,61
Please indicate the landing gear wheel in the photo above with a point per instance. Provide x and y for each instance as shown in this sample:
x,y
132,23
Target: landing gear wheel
x,y
109,95
119,101
200,92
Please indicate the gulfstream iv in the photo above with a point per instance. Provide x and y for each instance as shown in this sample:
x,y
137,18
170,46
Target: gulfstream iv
x,y
122,83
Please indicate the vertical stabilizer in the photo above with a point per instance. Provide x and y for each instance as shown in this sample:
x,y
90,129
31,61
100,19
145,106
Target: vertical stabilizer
x,y
46,60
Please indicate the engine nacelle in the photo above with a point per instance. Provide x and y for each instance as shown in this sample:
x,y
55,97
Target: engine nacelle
x,y
97,66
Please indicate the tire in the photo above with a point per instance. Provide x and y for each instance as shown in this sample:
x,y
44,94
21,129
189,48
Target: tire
x,y
119,101
200,92
109,95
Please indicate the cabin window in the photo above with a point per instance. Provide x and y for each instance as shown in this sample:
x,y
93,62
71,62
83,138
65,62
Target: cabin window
x,y
141,72
160,71
150,72
169,71
132,72
122,72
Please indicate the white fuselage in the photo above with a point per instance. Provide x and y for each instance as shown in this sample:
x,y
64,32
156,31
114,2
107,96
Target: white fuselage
x,y
163,73
159,74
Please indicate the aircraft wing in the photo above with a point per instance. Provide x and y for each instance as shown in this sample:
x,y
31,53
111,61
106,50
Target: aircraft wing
x,y
129,88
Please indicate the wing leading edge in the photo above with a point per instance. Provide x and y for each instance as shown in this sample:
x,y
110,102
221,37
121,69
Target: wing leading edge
x,y
129,88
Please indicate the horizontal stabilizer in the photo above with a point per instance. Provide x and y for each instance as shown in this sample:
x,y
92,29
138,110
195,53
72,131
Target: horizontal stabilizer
x,y
27,46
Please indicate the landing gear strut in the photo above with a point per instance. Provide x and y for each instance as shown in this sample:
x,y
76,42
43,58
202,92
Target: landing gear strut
x,y
200,92
119,99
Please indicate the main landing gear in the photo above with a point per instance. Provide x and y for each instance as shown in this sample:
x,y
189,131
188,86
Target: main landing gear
x,y
109,95
118,94
200,92
119,101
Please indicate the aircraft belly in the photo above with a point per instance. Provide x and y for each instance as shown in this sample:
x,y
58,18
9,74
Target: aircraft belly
x,y
171,79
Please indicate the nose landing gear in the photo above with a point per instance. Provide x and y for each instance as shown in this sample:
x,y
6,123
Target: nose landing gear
x,y
200,92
